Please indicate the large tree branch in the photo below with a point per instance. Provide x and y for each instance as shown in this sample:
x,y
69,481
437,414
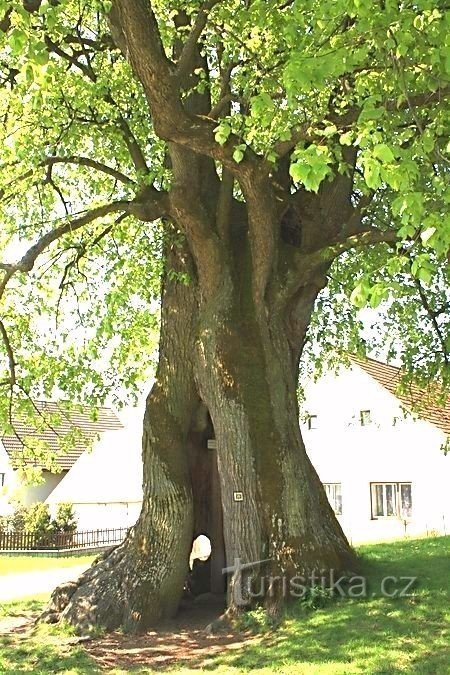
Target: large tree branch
x,y
418,100
93,164
148,206
369,237
80,161
133,147
305,268
157,74
263,222
11,381
300,132
85,68
432,315
194,218
26,263
188,55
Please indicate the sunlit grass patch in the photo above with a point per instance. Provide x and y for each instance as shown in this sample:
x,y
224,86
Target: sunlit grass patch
x,y
374,635
16,564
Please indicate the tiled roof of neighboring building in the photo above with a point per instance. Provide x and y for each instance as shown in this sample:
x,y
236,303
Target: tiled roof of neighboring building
x,y
72,420
414,398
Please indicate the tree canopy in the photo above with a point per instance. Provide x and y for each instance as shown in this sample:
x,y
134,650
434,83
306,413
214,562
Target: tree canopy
x,y
301,92
249,162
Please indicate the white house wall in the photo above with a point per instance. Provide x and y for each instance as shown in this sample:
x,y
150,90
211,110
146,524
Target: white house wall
x,y
93,516
105,485
345,452
10,482
39,493
14,491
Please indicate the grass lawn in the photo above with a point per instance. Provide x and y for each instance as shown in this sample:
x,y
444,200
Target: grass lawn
x,y
15,564
371,636
24,607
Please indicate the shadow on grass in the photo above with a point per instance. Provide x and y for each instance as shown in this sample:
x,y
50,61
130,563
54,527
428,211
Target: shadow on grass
x,y
40,657
372,636
375,635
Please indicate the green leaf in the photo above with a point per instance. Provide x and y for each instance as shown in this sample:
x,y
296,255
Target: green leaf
x,y
222,132
299,171
238,153
39,54
384,153
17,41
427,234
347,138
372,173
424,274
329,130
422,268
360,294
378,293
311,166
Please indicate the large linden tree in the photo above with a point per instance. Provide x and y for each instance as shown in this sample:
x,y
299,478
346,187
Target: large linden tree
x,y
258,170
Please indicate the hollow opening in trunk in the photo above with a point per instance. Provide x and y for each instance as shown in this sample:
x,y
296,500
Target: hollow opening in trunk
x,y
200,566
206,576
201,549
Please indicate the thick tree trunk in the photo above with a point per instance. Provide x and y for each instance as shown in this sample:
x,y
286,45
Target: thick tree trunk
x,y
141,581
222,361
274,506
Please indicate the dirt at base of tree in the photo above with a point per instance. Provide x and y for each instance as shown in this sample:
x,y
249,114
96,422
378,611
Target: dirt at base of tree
x,y
181,641
163,649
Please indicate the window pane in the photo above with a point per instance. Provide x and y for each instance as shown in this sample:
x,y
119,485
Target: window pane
x,y
312,422
337,499
391,509
333,491
365,417
405,500
377,496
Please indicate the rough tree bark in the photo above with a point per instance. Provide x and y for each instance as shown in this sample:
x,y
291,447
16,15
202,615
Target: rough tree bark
x,y
247,377
231,342
218,355
140,582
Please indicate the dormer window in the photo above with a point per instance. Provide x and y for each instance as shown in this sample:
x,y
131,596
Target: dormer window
x,y
365,418
312,422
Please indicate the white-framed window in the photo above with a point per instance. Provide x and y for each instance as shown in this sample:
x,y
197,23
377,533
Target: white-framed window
x,y
391,500
312,422
365,418
334,494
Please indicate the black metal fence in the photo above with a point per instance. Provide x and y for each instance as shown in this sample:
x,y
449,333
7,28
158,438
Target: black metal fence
x,y
69,541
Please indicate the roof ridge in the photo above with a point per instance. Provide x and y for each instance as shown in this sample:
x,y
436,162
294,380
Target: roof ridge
x,y
74,420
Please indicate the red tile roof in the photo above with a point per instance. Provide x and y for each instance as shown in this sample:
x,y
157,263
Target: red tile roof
x,y
413,398
72,420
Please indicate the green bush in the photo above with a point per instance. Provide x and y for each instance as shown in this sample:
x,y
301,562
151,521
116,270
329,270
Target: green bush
x,y
14,522
64,521
37,519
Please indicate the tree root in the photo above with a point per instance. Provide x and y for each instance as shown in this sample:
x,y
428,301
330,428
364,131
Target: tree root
x,y
95,599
